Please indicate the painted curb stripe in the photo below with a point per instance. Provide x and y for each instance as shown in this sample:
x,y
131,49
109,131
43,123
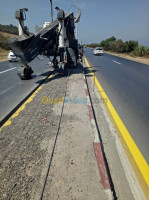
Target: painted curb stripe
x,y
90,112
104,178
138,157
101,166
86,92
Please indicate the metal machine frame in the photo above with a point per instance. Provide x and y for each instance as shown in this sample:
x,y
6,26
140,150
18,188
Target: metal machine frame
x,y
56,39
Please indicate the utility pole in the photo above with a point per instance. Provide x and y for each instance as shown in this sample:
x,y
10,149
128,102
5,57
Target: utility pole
x,y
77,23
51,10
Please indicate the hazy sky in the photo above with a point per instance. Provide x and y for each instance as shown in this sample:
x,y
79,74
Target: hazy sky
x,y
124,19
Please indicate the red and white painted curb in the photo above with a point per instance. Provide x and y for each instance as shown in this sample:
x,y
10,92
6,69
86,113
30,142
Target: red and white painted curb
x,y
97,149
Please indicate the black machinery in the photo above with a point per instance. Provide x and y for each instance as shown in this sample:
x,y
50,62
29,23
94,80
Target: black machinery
x,y
56,39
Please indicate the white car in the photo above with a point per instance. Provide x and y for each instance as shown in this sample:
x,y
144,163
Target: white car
x,y
98,51
12,56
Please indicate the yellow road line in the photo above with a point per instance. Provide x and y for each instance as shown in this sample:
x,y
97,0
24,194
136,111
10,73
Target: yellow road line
x,y
50,76
8,122
138,157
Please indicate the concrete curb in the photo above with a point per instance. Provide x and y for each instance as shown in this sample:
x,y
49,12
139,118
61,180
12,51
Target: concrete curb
x,y
105,180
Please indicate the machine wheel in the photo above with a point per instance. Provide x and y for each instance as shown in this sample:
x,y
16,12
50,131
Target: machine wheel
x,y
24,72
27,72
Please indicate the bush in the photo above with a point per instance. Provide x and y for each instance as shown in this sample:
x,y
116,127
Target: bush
x,y
131,45
9,29
106,43
141,51
120,46
93,45
112,45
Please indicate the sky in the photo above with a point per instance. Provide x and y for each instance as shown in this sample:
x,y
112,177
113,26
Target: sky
x,y
124,19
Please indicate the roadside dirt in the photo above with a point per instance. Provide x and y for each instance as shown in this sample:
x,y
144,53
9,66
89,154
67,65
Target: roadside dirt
x,y
3,55
127,56
74,174
26,145
7,34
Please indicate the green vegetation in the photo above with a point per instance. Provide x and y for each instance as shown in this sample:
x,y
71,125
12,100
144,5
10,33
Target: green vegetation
x,y
140,51
131,47
5,33
3,44
9,29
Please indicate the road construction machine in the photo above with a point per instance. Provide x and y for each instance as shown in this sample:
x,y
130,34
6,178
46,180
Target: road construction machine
x,y
55,40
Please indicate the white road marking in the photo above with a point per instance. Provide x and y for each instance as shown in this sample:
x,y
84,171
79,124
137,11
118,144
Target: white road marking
x,y
116,62
7,70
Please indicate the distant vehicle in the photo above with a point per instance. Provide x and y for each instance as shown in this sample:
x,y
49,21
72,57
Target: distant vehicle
x,y
12,57
98,51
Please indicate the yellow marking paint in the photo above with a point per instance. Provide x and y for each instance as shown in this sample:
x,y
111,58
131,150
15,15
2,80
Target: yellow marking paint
x,y
50,76
8,122
138,157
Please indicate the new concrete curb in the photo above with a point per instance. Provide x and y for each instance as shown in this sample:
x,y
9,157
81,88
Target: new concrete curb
x,y
103,173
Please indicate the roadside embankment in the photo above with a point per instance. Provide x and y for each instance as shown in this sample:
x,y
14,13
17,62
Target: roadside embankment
x,y
3,55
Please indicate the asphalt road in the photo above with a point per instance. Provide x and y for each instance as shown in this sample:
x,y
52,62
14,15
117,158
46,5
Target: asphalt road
x,y
12,89
126,83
